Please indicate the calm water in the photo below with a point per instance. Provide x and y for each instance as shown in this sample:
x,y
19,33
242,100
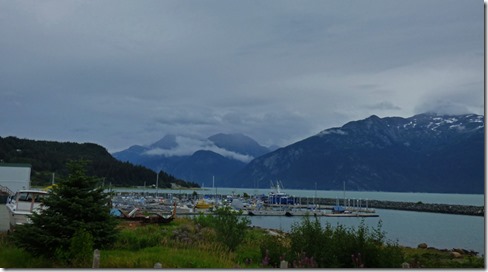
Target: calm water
x,y
408,228
460,199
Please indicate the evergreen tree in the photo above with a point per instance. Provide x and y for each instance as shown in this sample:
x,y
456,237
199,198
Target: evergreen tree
x,y
76,204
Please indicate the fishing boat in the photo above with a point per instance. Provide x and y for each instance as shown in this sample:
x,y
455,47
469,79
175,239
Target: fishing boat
x,y
278,197
22,204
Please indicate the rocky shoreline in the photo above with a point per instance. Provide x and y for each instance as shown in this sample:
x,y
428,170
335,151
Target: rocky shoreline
x,y
415,206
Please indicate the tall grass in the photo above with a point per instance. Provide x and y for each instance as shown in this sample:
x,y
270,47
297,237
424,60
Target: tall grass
x,y
186,244
13,257
180,244
203,255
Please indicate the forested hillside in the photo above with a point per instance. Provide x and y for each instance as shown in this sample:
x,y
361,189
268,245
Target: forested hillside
x,y
48,157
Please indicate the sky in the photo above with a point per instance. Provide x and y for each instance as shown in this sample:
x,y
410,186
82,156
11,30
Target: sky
x,y
120,73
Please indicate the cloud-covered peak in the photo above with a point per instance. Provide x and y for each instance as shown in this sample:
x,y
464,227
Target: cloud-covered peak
x,y
187,146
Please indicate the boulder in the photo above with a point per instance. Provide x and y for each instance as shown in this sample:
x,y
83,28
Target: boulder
x,y
459,250
422,245
456,255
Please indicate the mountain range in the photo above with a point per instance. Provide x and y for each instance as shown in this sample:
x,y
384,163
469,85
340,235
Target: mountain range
x,y
201,160
423,153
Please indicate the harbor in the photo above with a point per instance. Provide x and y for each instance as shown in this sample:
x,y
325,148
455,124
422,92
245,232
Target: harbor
x,y
275,203
315,206
409,222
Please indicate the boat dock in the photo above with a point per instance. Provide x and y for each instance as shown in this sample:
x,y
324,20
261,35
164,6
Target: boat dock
x,y
365,206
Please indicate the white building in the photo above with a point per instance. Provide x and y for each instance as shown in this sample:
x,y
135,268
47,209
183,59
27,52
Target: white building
x,y
14,176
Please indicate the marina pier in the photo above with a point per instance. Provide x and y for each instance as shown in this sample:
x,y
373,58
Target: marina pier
x,y
360,205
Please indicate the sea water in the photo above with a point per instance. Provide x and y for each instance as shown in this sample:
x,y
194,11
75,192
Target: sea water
x,y
443,231
408,228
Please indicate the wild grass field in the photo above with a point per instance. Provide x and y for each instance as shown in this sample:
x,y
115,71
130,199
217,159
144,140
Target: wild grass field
x,y
199,243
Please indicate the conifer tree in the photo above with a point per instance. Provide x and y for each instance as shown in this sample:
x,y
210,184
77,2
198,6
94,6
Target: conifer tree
x,y
74,205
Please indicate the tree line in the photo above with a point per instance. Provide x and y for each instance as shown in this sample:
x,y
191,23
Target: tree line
x,y
48,157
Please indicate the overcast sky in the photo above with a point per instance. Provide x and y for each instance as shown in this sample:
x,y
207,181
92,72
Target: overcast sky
x,y
119,73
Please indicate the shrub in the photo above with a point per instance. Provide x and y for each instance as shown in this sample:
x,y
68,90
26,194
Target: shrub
x,y
274,250
80,250
230,226
342,247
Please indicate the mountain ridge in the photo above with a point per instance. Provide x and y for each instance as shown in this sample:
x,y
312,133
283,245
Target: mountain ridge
x,y
179,155
384,154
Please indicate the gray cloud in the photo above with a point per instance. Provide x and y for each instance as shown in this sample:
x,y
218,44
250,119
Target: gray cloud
x,y
186,146
384,105
128,72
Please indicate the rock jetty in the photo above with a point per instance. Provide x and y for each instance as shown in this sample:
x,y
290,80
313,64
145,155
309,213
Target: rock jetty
x,y
416,206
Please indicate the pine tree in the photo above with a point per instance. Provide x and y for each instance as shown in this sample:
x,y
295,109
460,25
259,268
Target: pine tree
x,y
74,205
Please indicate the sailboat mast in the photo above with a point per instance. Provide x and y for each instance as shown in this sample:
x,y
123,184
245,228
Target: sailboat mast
x,y
213,185
157,184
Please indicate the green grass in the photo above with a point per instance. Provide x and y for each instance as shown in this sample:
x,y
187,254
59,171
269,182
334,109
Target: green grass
x,y
433,258
168,257
143,246
11,257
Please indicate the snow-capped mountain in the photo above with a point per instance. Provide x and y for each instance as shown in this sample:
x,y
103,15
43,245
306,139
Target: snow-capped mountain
x,y
196,159
423,153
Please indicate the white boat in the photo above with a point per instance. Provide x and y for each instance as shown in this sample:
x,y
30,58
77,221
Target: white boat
x,y
22,204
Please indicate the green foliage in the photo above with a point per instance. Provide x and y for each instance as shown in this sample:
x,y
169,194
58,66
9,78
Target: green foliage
x,y
47,157
230,225
143,246
76,205
309,239
169,257
342,247
80,251
273,249
139,238
204,220
248,252
431,258
14,257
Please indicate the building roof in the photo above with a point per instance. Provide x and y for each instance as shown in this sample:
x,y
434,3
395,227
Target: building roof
x,y
3,164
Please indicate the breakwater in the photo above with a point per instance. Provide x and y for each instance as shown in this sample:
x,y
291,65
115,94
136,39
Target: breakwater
x,y
411,206
364,203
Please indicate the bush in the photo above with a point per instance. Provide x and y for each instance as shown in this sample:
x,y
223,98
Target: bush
x,y
230,226
274,250
80,251
342,247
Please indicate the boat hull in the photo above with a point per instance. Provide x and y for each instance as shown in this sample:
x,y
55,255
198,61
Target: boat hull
x,y
17,218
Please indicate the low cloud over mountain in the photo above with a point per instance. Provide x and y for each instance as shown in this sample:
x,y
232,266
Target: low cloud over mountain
x,y
182,156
